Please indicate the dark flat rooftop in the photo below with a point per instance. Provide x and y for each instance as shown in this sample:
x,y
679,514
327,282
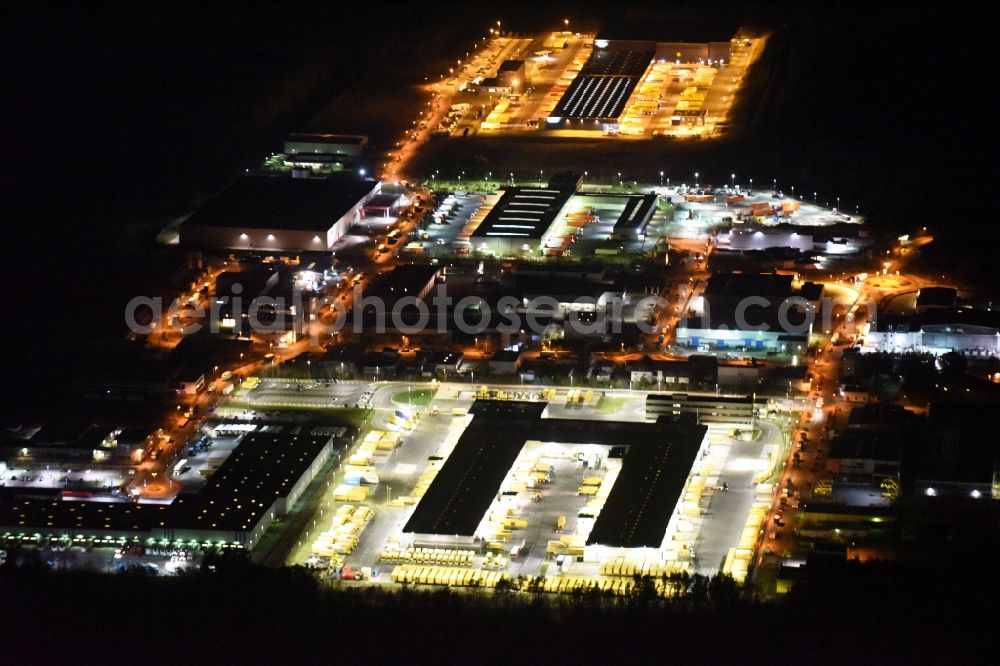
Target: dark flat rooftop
x,y
523,212
319,137
263,467
638,509
648,487
637,214
461,492
655,28
770,285
280,202
618,62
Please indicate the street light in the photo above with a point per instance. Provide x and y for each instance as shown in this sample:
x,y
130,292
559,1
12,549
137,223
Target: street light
x,y
661,179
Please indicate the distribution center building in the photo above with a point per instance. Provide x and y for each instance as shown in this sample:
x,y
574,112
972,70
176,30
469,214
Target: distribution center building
x,y
648,470
279,213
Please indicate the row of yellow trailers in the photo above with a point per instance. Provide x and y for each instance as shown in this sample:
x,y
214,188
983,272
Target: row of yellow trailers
x,y
348,493
622,586
455,577
345,529
567,544
428,556
738,559
579,396
623,566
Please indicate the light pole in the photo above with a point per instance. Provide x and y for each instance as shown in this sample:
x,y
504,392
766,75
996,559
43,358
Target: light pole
x,y
732,181
696,179
661,179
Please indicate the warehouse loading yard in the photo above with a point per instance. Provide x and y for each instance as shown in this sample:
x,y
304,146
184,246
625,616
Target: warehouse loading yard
x,y
447,497
582,85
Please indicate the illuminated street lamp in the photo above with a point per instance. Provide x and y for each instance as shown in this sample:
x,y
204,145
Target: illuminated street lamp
x,y
732,180
661,179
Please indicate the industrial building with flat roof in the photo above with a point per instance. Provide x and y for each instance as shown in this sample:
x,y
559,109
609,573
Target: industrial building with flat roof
x,y
603,87
260,480
279,213
936,330
677,41
632,223
351,145
656,460
521,216
696,408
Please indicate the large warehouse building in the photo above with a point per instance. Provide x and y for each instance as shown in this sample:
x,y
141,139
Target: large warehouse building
x,y
684,42
603,87
279,213
622,55
972,332
259,481
520,219
647,466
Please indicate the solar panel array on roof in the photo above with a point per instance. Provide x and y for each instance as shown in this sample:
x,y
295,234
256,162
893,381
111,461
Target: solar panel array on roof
x,y
604,85
622,62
